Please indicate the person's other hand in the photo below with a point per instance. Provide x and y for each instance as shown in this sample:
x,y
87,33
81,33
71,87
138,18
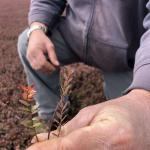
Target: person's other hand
x,y
120,124
38,47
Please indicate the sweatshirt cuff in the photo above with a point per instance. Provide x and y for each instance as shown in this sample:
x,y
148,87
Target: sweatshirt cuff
x,y
47,19
141,79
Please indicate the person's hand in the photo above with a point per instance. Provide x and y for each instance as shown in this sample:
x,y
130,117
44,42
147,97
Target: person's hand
x,y
38,47
120,124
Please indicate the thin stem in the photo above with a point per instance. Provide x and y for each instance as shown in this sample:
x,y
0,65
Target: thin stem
x,y
51,122
32,119
64,91
60,124
33,124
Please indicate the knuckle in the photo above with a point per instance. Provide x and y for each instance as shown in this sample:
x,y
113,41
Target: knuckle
x,y
51,46
35,66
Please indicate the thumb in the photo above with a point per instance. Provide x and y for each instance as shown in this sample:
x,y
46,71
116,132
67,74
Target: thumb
x,y
52,54
82,139
52,144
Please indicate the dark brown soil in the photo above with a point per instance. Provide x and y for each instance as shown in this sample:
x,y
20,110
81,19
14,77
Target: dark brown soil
x,y
87,87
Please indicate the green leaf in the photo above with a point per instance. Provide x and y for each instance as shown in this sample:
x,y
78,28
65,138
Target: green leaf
x,y
36,120
35,109
25,103
38,125
25,109
34,113
27,123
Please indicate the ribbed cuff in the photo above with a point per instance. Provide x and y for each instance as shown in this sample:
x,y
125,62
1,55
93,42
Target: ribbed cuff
x,y
44,18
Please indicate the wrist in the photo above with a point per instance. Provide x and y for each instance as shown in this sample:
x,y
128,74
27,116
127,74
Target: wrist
x,y
38,27
140,92
37,23
139,96
35,34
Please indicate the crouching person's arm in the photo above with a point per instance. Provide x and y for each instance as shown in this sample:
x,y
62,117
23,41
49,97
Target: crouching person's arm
x,y
43,13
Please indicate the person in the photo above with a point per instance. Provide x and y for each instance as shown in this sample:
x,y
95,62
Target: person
x,y
101,33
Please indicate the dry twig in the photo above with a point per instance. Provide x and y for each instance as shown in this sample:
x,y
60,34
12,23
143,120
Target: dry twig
x,y
60,114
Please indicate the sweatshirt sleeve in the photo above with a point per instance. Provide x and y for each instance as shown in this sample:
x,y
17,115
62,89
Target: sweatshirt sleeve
x,y
141,75
45,11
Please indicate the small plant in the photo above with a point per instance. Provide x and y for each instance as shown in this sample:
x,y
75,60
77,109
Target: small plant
x,y
27,96
59,117
60,114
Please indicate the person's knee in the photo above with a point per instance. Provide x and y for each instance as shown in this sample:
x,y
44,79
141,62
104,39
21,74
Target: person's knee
x,y
22,43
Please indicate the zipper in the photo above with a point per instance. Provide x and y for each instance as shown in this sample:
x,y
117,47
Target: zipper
x,y
87,31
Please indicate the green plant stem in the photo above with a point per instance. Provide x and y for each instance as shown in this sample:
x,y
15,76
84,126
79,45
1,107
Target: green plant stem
x,y
33,124
32,119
